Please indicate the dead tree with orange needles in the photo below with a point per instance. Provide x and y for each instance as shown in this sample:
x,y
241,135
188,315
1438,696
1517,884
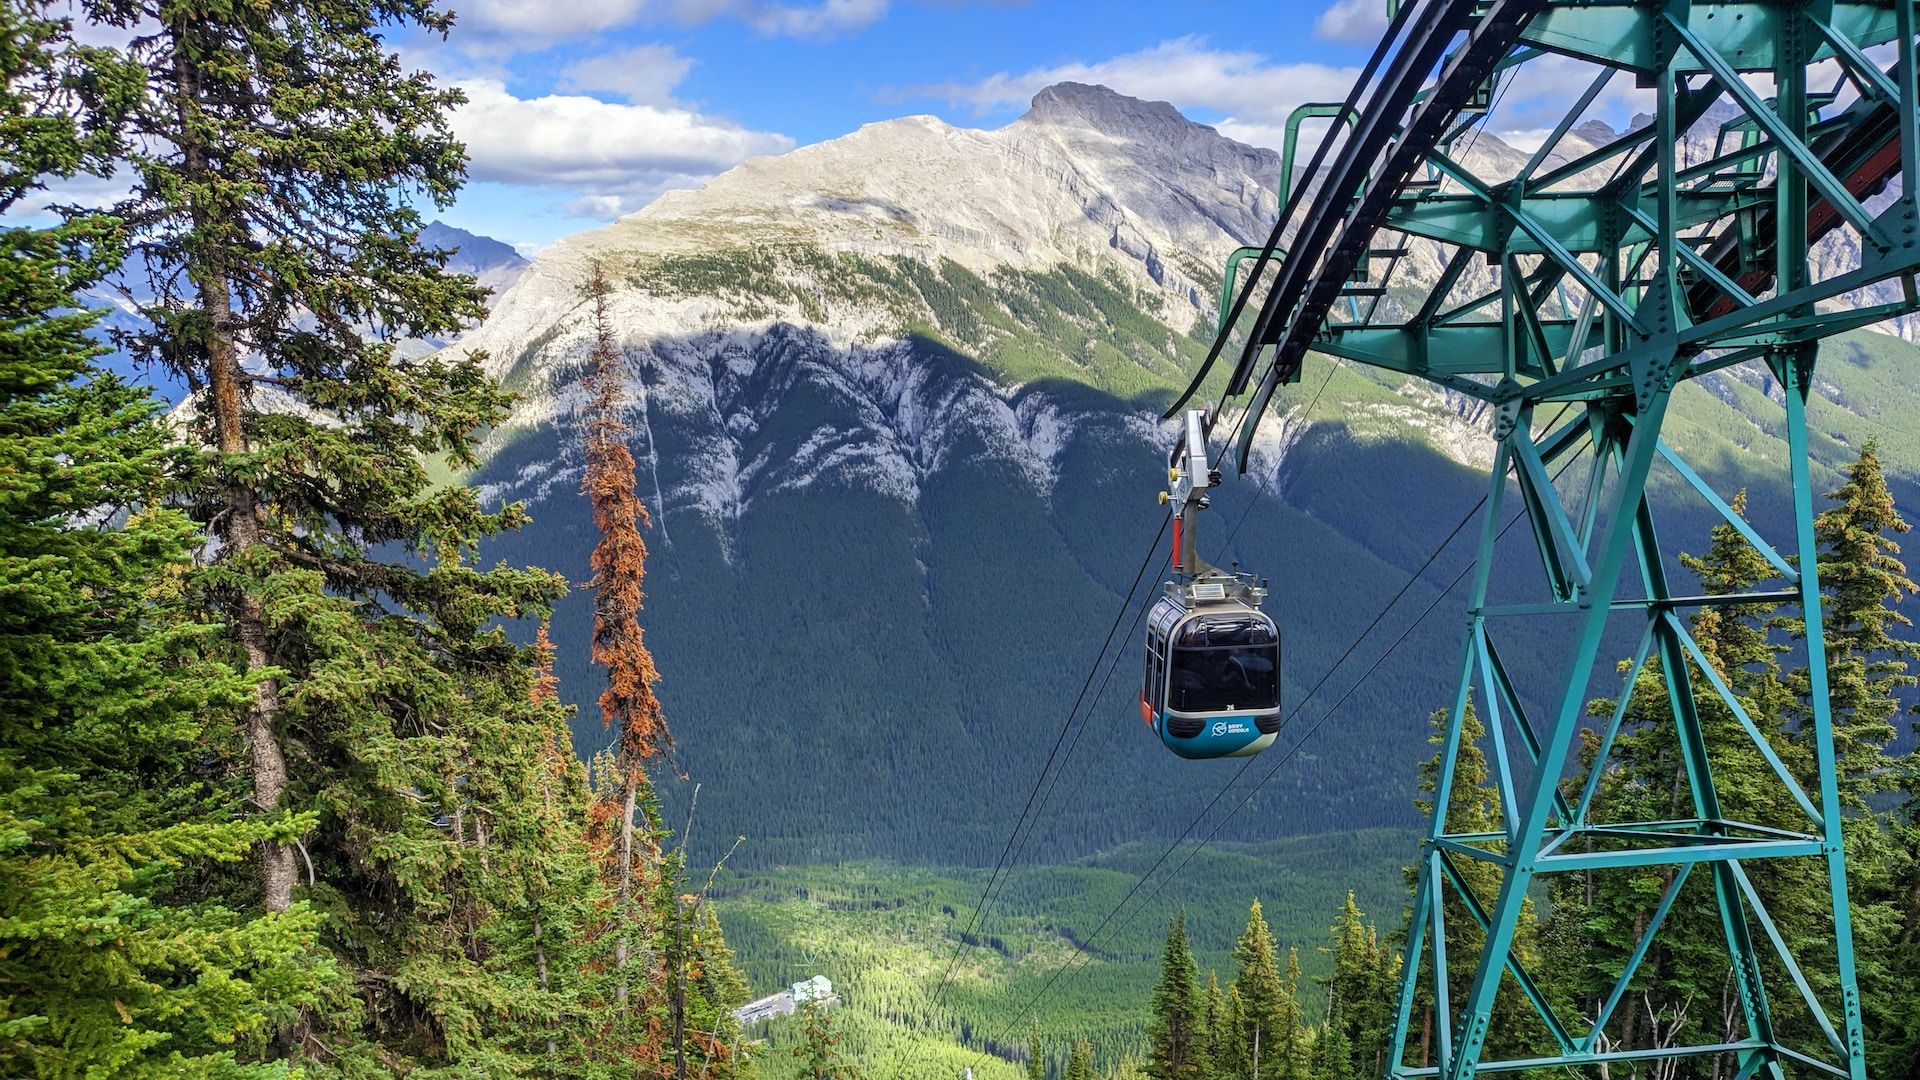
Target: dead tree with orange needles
x,y
628,705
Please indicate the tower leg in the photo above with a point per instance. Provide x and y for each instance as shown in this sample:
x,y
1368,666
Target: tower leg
x,y
1795,372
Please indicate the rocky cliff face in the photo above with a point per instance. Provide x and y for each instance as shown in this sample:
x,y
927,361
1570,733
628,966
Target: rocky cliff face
x,y
1079,245
896,416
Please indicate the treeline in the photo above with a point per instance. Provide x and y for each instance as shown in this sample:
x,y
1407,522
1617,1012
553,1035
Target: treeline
x,y
279,794
1581,933
1257,1024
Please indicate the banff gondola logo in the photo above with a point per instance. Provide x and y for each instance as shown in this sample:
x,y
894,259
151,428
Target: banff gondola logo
x,y
1222,727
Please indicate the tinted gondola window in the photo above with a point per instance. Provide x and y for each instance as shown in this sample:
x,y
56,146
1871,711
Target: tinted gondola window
x,y
1225,665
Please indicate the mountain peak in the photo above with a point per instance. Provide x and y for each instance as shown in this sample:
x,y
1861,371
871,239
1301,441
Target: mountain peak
x,y
473,253
1072,104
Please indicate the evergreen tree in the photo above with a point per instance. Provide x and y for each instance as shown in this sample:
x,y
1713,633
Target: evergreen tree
x,y
1036,1059
711,989
1290,1032
1360,993
819,1047
547,943
628,705
1177,1033
1218,1027
1233,1051
1080,1061
109,713
1267,1032
1473,805
1333,1051
1862,581
276,153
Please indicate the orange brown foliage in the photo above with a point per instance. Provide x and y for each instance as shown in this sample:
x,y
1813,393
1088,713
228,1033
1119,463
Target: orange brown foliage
x,y
628,704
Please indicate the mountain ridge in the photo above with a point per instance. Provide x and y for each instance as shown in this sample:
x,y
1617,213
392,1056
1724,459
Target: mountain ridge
x,y
895,413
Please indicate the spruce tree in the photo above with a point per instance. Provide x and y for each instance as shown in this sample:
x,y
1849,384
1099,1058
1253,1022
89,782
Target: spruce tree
x,y
1176,1035
1080,1061
1266,1013
1233,1052
628,705
1363,983
276,153
1218,1027
1863,582
713,989
113,964
1333,1051
819,1047
547,943
1473,806
1036,1058
1290,1030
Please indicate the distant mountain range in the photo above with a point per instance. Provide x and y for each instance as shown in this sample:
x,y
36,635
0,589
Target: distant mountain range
x,y
494,264
896,416
896,402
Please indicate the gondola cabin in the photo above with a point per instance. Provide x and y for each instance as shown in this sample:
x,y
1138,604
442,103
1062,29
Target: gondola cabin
x,y
1212,683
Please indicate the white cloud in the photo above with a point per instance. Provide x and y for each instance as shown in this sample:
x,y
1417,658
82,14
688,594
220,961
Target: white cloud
x,y
643,74
1254,92
1525,140
85,192
1354,22
826,19
542,21
616,156
495,27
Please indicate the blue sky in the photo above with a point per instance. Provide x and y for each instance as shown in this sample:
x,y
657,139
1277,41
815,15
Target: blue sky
x,y
582,111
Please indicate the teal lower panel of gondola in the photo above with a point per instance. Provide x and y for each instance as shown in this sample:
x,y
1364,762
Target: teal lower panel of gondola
x,y
1220,736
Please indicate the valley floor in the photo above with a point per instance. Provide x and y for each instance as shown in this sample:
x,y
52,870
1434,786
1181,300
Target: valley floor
x,y
885,935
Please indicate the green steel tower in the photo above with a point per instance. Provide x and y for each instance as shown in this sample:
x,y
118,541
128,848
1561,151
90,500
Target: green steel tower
x,y
1773,180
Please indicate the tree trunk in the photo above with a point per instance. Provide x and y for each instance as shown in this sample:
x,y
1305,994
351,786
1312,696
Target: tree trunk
x,y
211,279
680,989
540,963
628,797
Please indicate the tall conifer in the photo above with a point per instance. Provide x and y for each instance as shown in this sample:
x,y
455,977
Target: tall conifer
x,y
1218,1026
819,1047
1863,583
628,705
1176,1035
1080,1061
1363,982
110,963
1473,805
276,153
1267,1014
